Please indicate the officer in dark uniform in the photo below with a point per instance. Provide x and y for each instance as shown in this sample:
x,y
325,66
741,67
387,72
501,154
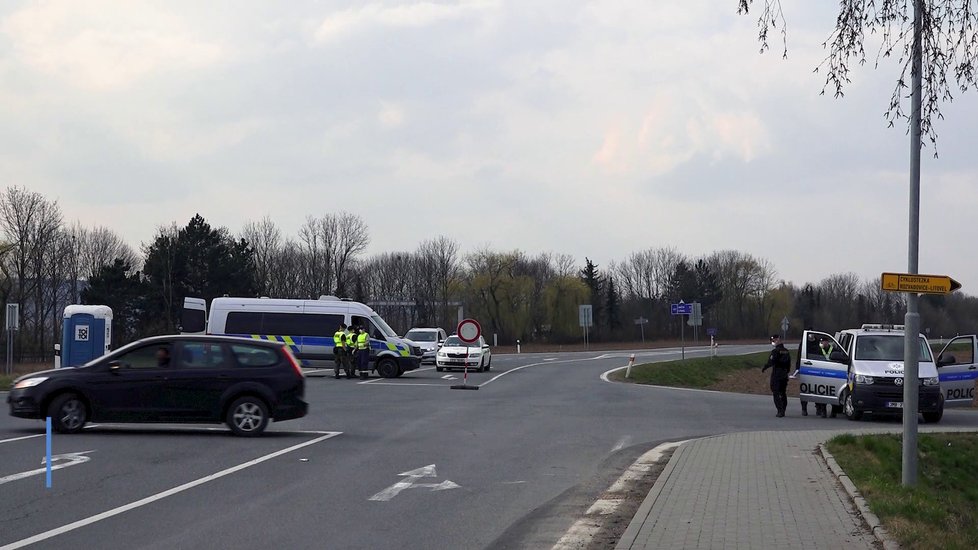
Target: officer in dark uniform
x,y
779,361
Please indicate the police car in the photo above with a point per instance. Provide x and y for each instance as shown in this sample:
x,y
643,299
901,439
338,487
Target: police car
x,y
861,370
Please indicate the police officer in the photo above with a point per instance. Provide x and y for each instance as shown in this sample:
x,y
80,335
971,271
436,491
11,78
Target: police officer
x,y
341,352
363,351
779,361
826,348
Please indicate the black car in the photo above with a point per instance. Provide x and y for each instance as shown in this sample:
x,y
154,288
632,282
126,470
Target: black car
x,y
187,379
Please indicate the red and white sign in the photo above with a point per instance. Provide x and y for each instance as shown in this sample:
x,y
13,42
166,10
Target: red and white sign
x,y
469,331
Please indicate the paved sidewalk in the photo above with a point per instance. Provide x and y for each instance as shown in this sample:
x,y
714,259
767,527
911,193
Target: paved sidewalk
x,y
749,490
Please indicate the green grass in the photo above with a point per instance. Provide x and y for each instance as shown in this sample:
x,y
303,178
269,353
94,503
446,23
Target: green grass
x,y
700,372
941,511
5,381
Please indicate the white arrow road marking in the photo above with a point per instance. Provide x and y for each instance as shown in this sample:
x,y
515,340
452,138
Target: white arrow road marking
x,y
67,459
411,480
448,377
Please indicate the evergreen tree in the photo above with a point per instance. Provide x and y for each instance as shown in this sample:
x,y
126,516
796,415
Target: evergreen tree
x,y
125,293
197,261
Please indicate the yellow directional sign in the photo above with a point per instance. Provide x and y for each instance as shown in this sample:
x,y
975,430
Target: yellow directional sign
x,y
920,284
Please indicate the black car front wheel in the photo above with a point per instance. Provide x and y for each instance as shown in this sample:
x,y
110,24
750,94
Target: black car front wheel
x,y
247,416
68,413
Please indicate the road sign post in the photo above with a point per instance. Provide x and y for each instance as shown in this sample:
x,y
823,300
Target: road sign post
x,y
468,332
585,314
682,308
914,284
12,326
641,321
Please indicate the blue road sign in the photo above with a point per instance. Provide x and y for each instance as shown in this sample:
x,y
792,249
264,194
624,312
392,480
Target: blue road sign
x,y
682,309
711,332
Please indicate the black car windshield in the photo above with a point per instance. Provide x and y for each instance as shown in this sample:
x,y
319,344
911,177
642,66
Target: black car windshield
x,y
422,335
455,341
887,348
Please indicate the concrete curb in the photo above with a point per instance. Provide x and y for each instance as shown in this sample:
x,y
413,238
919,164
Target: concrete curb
x,y
869,517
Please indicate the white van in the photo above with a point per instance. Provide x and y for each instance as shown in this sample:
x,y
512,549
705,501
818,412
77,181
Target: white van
x,y
306,326
864,372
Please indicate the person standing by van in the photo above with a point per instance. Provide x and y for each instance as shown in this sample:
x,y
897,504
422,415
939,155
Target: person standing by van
x,y
341,352
779,361
363,350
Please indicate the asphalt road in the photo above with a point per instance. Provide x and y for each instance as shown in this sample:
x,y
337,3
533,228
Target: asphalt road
x,y
406,463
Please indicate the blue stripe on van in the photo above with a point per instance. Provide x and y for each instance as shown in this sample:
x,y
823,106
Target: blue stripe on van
x,y
956,376
824,373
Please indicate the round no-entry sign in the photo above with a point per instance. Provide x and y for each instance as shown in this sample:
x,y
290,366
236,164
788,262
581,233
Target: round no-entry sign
x,y
469,330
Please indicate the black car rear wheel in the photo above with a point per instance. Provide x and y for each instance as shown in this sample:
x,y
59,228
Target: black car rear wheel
x,y
247,416
68,413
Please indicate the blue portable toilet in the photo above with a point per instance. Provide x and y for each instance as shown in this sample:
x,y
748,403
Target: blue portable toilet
x,y
86,334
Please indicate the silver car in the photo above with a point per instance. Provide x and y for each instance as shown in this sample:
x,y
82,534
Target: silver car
x,y
428,339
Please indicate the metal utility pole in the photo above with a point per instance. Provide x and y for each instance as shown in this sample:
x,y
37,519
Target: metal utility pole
x,y
911,322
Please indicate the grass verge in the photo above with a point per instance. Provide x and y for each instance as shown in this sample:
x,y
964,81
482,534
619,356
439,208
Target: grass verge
x,y
699,372
941,511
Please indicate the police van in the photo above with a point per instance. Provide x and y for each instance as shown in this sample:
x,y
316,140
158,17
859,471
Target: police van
x,y
861,370
306,326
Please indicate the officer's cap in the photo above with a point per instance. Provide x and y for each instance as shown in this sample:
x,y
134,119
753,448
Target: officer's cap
x,y
775,337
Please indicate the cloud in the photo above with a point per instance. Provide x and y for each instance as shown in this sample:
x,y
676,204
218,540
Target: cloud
x,y
104,45
419,14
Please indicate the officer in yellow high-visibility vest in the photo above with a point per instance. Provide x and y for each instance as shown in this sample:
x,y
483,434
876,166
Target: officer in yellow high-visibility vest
x,y
341,352
363,351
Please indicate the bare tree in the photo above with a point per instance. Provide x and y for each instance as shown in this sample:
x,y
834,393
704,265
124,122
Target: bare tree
x,y
265,239
352,238
837,298
949,45
30,224
287,278
439,270
100,246
317,237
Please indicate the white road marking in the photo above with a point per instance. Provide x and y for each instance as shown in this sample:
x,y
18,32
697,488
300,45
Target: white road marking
x,y
583,531
20,438
67,459
411,481
449,377
550,359
621,443
159,496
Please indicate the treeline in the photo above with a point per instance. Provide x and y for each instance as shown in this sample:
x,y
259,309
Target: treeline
x,y
46,264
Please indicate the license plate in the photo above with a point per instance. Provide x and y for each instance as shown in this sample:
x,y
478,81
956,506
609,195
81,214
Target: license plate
x,y
895,404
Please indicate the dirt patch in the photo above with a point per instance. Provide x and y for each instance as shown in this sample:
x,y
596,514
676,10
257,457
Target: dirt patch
x,y
751,381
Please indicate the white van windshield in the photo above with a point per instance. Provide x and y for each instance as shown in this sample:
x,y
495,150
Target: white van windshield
x,y
887,348
388,331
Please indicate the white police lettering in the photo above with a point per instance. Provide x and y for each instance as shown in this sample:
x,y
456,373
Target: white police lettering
x,y
960,393
817,389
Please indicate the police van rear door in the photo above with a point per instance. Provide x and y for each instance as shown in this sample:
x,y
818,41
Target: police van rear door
x,y
821,379
957,370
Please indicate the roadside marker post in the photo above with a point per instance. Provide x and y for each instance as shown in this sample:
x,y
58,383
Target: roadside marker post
x,y
631,362
468,331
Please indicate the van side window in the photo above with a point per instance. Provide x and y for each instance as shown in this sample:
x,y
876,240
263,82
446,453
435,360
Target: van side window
x,y
243,322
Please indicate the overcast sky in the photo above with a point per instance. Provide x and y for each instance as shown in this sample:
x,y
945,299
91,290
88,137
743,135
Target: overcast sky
x,y
593,129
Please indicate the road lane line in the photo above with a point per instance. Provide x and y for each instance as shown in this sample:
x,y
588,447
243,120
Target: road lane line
x,y
584,529
159,496
20,438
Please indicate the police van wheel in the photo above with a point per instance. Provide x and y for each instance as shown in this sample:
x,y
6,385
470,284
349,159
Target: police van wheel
x,y
438,369
849,408
387,368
